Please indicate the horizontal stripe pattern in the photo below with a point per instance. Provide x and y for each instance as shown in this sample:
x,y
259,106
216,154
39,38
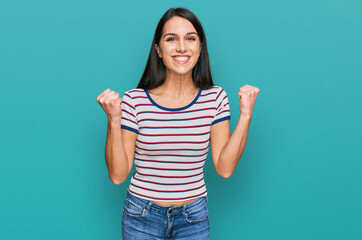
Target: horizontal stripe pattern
x,y
172,143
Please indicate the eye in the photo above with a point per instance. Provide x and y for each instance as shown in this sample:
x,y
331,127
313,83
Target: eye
x,y
172,38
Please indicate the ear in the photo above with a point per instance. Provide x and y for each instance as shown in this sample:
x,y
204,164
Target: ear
x,y
158,51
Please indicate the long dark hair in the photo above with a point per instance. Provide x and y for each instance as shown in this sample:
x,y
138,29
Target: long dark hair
x,y
155,71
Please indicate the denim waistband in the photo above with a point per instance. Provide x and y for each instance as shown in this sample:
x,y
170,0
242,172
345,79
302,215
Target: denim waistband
x,y
147,204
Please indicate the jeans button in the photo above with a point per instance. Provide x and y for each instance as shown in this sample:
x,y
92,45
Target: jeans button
x,y
170,211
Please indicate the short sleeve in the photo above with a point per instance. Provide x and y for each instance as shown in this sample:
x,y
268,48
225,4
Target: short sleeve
x,y
129,120
222,107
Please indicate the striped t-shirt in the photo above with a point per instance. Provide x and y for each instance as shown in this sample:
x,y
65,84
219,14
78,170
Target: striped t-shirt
x,y
172,143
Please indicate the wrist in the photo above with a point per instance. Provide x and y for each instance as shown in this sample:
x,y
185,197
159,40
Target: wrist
x,y
114,122
245,115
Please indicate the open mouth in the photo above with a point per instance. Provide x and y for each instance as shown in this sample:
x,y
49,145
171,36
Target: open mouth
x,y
181,60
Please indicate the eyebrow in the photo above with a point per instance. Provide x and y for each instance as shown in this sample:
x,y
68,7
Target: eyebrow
x,y
176,34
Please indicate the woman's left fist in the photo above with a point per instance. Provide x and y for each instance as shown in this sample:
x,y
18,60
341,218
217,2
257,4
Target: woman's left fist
x,y
247,95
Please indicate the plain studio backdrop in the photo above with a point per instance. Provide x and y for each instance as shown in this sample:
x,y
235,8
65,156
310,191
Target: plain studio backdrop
x,y
300,175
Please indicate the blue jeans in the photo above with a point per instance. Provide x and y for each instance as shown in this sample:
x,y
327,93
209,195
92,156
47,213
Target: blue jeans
x,y
144,220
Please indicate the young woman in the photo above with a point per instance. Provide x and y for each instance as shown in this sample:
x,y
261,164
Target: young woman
x,y
165,126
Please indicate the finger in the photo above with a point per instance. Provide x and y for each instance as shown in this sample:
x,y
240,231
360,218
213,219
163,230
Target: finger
x,y
244,88
103,93
113,95
244,92
116,100
249,88
108,97
105,99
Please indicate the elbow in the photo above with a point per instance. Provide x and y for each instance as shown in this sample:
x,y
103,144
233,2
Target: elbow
x,y
116,180
226,175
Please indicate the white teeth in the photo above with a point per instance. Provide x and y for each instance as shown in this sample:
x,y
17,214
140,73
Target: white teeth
x,y
181,59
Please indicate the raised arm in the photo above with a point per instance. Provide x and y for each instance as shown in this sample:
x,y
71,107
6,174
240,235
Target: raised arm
x,y
120,144
227,149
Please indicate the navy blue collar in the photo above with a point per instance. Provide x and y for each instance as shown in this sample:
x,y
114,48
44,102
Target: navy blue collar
x,y
173,109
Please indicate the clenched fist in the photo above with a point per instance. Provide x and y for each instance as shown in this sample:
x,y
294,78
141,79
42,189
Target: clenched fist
x,y
247,95
111,104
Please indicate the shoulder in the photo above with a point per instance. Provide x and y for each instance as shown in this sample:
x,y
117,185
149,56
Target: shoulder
x,y
217,88
134,92
214,90
219,92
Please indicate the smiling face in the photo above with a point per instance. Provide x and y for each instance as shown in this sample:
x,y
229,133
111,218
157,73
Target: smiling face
x,y
179,46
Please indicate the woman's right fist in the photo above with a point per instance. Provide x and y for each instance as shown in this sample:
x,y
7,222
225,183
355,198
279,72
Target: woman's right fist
x,y
111,104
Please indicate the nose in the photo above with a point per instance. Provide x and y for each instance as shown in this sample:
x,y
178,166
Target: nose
x,y
181,46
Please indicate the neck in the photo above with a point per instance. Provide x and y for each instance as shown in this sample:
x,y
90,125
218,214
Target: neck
x,y
178,85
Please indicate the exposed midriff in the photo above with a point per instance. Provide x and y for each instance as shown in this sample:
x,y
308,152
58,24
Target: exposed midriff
x,y
179,203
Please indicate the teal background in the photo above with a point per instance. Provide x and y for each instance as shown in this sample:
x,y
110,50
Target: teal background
x,y
301,172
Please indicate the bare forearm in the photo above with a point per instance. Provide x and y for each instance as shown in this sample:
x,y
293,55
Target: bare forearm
x,y
234,148
116,158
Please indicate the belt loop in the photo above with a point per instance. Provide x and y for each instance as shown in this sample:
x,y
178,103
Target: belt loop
x,y
149,205
184,209
207,199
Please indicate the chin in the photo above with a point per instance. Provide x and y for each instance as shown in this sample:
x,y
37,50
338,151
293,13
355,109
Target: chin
x,y
183,72
180,71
